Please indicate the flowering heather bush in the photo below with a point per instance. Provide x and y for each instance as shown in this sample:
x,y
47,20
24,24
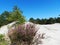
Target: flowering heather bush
x,y
22,33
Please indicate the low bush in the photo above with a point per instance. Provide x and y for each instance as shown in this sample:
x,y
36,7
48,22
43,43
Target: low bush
x,y
2,40
22,34
1,37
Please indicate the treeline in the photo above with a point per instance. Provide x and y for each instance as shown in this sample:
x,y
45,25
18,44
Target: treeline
x,y
45,21
15,15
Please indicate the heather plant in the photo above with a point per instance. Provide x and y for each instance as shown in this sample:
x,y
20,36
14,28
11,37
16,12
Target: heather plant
x,y
22,34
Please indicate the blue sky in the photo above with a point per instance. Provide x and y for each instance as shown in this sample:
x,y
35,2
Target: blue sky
x,y
33,8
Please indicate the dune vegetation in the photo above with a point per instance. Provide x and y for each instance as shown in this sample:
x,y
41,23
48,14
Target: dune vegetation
x,y
23,32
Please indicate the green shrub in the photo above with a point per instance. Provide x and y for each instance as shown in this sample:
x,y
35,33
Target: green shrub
x,y
2,40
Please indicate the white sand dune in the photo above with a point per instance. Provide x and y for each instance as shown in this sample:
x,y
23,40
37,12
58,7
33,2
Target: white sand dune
x,y
4,29
51,33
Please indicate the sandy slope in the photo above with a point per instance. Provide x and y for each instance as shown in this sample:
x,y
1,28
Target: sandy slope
x,y
4,29
51,33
